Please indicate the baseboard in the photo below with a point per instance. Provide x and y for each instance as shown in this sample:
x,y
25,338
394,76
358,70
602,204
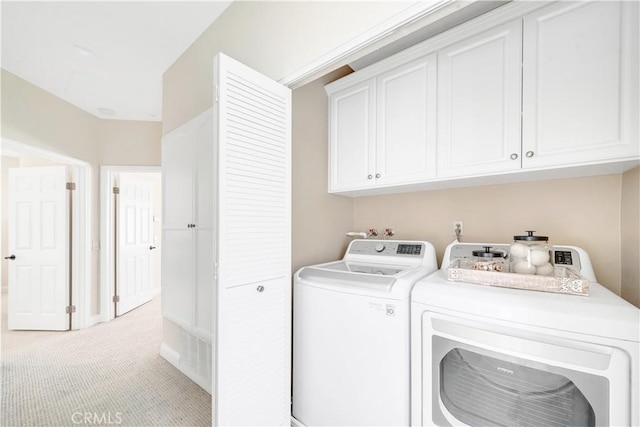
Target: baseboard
x,y
173,357
296,423
170,355
94,320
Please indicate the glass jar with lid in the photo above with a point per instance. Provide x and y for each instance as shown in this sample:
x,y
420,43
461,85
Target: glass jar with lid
x,y
487,260
531,255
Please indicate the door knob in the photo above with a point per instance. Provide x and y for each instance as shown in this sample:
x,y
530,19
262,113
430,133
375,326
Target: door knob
x,y
12,257
151,248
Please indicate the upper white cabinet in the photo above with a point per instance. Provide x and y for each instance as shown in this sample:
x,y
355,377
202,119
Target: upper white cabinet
x,y
382,130
580,83
531,90
479,96
406,123
352,136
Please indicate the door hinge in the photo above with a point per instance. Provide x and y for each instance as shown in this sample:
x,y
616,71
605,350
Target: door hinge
x,y
116,190
71,185
70,309
116,298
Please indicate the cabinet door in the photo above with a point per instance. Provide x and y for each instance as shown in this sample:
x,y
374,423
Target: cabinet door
x,y
406,123
204,281
479,94
178,178
580,93
204,170
352,137
177,276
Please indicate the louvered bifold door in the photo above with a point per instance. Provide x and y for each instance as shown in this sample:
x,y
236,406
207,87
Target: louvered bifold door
x,y
253,331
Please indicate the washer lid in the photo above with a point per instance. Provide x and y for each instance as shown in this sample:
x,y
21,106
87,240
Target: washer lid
x,y
363,268
362,278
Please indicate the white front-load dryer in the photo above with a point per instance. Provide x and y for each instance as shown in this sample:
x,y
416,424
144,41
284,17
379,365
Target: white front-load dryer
x,y
486,355
351,334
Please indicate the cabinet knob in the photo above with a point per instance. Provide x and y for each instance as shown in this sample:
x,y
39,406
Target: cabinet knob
x,y
11,257
529,154
369,176
260,288
514,156
377,175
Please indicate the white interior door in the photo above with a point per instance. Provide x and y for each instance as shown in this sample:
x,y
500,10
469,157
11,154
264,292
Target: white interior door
x,y
38,259
134,243
252,351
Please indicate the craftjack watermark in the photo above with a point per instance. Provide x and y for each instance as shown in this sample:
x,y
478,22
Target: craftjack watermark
x,y
96,418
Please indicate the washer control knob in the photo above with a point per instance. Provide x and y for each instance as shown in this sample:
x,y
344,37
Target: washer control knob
x,y
379,247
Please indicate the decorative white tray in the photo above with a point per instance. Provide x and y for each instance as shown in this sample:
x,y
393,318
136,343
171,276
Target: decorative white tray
x,y
564,281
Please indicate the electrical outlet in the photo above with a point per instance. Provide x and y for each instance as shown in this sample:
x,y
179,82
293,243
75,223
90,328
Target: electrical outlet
x,y
458,228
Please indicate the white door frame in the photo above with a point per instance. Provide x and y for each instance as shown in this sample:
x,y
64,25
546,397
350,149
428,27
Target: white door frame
x,y
107,310
81,226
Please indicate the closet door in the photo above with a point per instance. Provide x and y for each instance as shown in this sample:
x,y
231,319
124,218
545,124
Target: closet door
x,y
252,359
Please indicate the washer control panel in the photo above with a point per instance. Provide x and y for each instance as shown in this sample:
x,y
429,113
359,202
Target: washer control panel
x,y
386,247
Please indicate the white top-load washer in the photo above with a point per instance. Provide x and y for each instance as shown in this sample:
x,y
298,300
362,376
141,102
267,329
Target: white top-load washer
x,y
351,334
485,355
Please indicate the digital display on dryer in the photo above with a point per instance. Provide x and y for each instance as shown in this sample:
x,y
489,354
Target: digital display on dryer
x,y
563,258
409,249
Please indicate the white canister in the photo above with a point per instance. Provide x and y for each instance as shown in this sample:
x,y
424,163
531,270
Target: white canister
x,y
531,255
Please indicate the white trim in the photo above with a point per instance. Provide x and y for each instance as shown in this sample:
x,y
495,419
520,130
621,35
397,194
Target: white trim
x,y
344,52
296,423
107,174
94,320
173,357
81,265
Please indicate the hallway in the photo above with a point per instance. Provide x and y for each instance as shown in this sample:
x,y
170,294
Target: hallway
x,y
111,373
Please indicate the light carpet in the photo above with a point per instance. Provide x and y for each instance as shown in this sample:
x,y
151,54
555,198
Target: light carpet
x,y
109,374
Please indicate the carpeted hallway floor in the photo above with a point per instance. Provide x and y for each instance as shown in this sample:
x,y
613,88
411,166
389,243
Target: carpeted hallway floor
x,y
110,374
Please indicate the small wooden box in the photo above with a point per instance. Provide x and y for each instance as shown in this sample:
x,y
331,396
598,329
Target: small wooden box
x,y
564,281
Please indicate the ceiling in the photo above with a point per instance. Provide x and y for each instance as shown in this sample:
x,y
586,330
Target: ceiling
x,y
105,57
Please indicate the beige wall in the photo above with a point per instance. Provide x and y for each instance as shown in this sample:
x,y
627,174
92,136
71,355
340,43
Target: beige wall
x,y
35,117
581,212
276,38
129,143
630,232
319,219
